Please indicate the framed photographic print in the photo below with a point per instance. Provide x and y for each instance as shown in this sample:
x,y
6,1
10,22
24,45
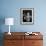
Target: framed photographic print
x,y
27,15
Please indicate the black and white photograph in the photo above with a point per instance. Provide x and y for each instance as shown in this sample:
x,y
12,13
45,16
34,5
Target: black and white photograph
x,y
27,15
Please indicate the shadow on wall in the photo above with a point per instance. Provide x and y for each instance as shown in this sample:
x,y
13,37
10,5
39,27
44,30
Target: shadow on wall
x,y
2,21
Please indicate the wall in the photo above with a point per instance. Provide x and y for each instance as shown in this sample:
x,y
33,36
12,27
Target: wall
x,y
11,8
